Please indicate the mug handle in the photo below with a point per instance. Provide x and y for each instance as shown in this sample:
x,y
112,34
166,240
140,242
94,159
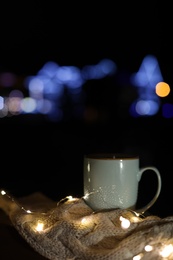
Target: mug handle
x,y
149,205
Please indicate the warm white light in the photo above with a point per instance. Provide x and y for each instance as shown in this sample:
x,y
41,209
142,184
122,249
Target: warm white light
x,y
86,196
39,226
28,211
148,248
135,219
3,192
138,257
167,250
87,221
70,198
125,223
84,220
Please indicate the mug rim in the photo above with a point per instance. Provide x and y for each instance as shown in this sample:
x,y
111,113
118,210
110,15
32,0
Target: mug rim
x,y
111,156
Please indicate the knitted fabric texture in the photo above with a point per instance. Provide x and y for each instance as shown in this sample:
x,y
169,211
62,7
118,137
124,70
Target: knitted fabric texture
x,y
69,229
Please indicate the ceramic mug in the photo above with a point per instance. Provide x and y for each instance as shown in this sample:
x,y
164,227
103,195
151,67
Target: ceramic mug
x,y
112,180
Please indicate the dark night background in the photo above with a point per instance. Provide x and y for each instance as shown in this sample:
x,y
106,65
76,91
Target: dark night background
x,y
39,155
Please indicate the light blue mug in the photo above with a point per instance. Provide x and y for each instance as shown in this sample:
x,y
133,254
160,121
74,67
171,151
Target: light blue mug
x,y
111,181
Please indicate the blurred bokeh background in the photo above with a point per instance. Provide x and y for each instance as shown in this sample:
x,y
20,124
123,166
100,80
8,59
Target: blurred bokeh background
x,y
81,78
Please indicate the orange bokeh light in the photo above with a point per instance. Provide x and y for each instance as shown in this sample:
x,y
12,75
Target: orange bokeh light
x,y
162,89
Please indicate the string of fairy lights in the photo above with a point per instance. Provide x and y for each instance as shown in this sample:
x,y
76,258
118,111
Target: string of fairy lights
x,y
162,250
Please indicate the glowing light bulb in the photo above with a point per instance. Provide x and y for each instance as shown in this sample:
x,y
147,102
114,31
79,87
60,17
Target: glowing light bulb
x,y
148,248
3,192
69,197
28,211
39,226
87,221
125,223
167,250
138,257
